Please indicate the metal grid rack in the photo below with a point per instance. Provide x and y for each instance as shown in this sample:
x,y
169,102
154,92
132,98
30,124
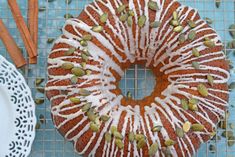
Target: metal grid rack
x,y
137,79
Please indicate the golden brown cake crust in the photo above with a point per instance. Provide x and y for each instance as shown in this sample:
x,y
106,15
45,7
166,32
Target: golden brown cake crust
x,y
198,80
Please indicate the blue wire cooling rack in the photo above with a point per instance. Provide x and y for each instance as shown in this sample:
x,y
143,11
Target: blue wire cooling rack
x,y
137,79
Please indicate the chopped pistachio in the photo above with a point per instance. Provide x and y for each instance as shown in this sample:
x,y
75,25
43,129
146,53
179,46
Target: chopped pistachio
x,y
155,24
117,134
108,137
197,127
141,21
50,40
193,107
209,43
38,126
68,16
141,143
186,126
210,79
97,29
153,5
84,57
121,8
83,43
191,24
156,128
104,17
78,71
67,66
83,65
94,127
182,38
123,17
169,142
88,72
174,23
139,136
86,107
195,52
131,136
119,143
84,92
208,20
74,100
175,15
131,13
41,89
70,51
193,101
38,81
153,149
184,104
104,118
192,35
196,65
130,21
217,3
74,79
178,29
39,101
87,37
231,141
179,132
113,129
91,115
232,30
202,90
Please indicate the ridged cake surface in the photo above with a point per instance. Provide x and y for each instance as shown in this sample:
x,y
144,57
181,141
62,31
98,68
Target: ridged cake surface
x,y
90,57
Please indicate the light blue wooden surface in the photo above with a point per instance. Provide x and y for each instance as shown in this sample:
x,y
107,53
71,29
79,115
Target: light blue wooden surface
x,y
48,142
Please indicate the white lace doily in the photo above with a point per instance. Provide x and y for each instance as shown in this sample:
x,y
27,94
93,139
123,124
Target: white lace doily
x,y
17,113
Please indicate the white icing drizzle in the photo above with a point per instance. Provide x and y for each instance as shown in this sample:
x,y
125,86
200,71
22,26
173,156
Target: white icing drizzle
x,y
156,46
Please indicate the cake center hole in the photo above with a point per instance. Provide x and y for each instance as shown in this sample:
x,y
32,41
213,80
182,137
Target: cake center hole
x,y
137,82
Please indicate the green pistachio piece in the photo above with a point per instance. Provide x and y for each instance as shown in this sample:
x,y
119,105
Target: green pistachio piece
x,y
84,92
153,149
86,107
139,136
117,134
78,71
169,142
104,118
141,21
178,29
113,129
141,143
196,65
174,23
175,15
121,8
153,5
97,29
130,21
182,38
70,51
119,143
67,66
108,137
184,104
186,126
192,35
74,80
155,24
195,52
156,128
179,132
75,100
210,79
202,90
104,17
197,127
87,37
123,17
191,24
94,127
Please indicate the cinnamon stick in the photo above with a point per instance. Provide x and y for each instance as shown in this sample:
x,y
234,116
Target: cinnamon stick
x,y
33,24
22,27
11,46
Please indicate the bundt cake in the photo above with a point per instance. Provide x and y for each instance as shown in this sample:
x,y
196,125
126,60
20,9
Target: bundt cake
x,y
90,57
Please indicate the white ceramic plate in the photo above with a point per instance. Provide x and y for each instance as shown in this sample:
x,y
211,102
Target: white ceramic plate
x,y
17,113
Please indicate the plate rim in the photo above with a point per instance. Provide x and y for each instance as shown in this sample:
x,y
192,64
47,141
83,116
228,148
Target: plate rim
x,y
31,107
